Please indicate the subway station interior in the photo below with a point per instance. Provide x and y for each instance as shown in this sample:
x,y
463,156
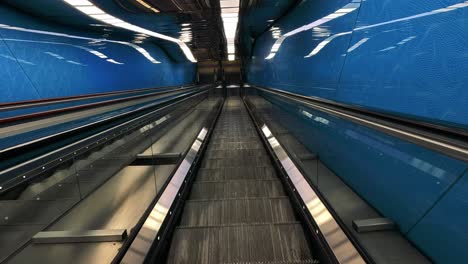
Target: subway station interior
x,y
233,131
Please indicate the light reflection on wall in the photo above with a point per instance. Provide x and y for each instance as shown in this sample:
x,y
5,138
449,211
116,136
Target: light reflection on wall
x,y
324,43
139,49
17,60
76,63
318,119
355,4
358,44
417,163
91,51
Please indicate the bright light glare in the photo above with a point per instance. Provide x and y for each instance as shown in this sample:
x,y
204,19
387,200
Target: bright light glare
x,y
230,16
94,41
148,6
93,11
325,42
355,4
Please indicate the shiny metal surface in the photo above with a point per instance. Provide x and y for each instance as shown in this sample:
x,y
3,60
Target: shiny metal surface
x,y
339,243
106,194
343,169
56,237
373,224
149,231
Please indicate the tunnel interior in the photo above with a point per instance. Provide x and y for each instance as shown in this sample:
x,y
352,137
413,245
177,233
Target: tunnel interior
x,y
233,131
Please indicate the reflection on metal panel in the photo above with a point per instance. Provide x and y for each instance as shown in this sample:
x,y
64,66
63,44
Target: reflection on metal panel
x,y
58,237
339,243
149,231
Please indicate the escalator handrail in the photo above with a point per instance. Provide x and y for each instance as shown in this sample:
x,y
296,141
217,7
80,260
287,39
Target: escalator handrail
x,y
93,139
14,119
2,151
185,169
56,100
452,142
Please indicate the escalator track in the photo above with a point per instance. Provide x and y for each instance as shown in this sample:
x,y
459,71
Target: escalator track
x,y
237,210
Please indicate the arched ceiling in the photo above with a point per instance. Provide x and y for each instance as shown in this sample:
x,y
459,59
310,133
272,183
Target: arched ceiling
x,y
197,23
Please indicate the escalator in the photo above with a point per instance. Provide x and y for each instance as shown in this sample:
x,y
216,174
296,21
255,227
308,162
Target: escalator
x,y
236,192
237,210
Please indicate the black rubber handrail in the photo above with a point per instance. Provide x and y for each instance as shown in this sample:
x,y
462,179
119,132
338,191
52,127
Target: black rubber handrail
x,y
15,119
56,100
30,146
2,151
450,141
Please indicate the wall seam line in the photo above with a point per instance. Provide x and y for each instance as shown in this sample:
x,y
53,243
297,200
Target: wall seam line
x,y
436,202
21,67
347,48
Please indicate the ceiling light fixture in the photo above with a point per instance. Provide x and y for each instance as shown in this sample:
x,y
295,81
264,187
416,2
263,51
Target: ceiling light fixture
x,y
230,16
93,11
148,6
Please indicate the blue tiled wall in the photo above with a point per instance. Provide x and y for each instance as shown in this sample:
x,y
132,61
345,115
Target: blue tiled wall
x,y
444,230
40,60
403,57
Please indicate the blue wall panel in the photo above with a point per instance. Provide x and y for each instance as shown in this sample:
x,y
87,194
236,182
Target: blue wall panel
x,y
61,61
400,179
402,57
414,64
11,72
288,69
407,58
451,216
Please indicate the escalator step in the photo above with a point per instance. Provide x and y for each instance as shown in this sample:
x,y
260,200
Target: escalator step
x,y
244,173
265,243
237,211
236,189
229,162
247,139
228,153
235,145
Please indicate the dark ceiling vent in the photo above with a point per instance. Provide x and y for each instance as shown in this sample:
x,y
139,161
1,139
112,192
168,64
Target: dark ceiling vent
x,y
137,6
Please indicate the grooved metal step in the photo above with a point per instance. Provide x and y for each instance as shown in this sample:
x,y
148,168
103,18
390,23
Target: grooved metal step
x,y
221,140
236,189
264,243
236,211
235,145
238,153
229,162
242,173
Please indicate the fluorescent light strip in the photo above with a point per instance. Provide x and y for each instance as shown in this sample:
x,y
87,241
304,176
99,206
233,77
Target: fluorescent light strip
x,y
148,6
93,11
230,17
